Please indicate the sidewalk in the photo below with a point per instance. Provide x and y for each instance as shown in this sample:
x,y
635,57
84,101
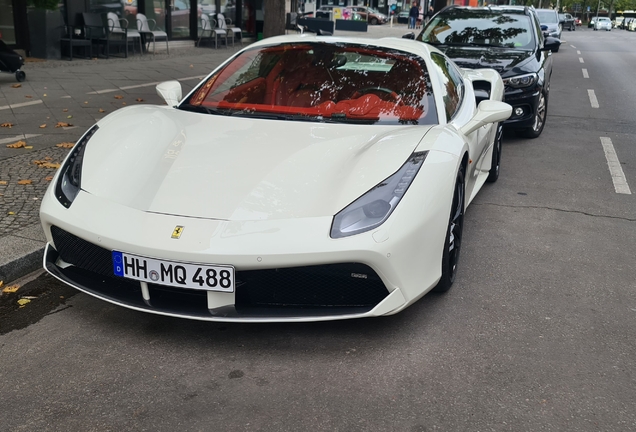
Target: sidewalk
x,y
78,93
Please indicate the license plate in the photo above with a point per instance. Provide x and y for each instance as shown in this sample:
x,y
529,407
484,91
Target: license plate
x,y
176,274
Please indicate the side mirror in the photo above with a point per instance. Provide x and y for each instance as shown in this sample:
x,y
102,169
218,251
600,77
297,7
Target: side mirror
x,y
410,35
551,44
488,111
170,91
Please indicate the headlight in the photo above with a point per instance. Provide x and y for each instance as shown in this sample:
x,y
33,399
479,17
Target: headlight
x,y
521,81
374,207
69,181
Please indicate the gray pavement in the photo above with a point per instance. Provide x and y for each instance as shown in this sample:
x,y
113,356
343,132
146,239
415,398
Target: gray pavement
x,y
79,93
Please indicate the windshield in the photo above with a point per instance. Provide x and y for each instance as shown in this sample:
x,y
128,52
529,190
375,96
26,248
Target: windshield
x,y
324,82
547,17
479,27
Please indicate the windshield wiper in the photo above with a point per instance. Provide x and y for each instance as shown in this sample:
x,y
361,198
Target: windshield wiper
x,y
203,109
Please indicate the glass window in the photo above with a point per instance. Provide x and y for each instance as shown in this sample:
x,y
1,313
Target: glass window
x,y
479,27
321,82
7,29
548,17
453,85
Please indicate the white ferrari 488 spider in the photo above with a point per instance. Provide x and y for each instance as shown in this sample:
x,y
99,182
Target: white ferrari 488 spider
x,y
307,178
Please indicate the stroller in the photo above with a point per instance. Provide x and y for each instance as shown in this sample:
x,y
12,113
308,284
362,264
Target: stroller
x,y
11,62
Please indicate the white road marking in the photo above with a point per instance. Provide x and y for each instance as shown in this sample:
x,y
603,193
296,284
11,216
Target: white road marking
x,y
578,52
581,59
573,46
22,104
18,138
585,74
593,100
142,85
618,176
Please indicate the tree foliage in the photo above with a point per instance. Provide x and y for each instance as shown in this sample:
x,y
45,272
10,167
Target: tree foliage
x,y
45,4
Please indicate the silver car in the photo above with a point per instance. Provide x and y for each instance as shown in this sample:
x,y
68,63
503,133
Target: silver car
x,y
602,23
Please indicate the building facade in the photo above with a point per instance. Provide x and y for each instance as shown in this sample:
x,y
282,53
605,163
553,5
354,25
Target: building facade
x,y
179,18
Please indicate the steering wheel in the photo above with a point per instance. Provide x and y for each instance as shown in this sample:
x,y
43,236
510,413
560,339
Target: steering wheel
x,y
394,95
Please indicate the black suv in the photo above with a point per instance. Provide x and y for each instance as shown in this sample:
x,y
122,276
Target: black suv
x,y
505,38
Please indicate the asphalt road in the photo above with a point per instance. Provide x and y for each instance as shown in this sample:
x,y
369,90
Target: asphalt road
x,y
536,335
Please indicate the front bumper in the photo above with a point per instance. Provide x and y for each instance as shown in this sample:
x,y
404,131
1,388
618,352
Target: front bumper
x,y
526,100
290,270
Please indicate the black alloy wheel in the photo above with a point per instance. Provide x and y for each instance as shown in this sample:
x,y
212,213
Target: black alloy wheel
x,y
540,115
453,243
497,146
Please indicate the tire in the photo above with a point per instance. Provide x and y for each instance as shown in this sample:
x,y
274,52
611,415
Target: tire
x,y
20,76
539,117
374,21
453,242
495,165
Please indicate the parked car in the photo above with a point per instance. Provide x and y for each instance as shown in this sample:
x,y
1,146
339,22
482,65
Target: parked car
x,y
368,14
403,17
357,210
550,19
590,24
577,21
602,23
618,22
567,21
505,38
631,26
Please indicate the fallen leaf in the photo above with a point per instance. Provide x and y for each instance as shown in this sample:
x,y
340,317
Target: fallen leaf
x,y
42,126
10,213
85,102
28,147
3,182
44,95
50,165
48,178
7,125
23,302
191,66
123,103
65,145
65,110
16,85
10,289
1,283
119,97
102,111
18,144
25,182
48,158
139,100
69,116
62,124
28,96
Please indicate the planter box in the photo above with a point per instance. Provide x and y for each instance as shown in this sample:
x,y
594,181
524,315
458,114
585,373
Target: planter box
x,y
45,31
351,25
314,24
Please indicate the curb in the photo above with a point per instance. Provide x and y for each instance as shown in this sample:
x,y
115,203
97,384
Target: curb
x,y
21,266
21,253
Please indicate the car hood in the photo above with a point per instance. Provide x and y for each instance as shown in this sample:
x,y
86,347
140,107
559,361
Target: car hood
x,y
169,161
551,27
502,60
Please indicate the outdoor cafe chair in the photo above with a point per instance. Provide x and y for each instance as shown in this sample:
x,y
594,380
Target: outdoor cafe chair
x,y
210,31
226,24
151,33
119,26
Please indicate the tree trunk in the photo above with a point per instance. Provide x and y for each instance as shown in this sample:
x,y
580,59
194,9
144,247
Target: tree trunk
x,y
274,18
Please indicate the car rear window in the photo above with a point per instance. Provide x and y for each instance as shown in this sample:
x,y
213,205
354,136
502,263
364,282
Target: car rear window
x,y
547,17
342,83
479,27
